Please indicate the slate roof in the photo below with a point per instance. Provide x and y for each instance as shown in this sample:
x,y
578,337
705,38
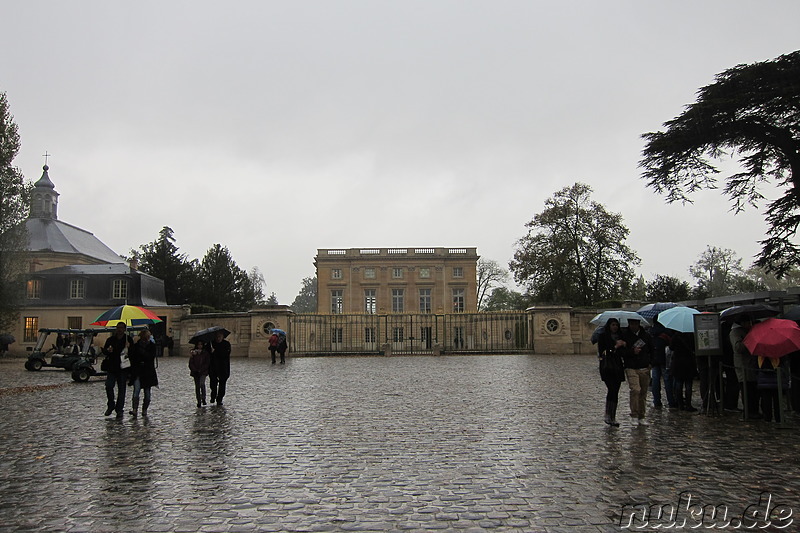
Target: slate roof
x,y
48,235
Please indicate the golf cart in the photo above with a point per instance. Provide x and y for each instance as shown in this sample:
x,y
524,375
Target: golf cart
x,y
81,358
56,356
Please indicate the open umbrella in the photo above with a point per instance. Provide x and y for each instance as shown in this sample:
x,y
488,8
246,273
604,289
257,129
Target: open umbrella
x,y
792,314
774,337
278,331
130,315
753,311
620,314
678,318
209,334
651,310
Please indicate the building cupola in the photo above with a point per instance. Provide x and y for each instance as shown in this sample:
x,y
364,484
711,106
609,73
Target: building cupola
x,y
44,198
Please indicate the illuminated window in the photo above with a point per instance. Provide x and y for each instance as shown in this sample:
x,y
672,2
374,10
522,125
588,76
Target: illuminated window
x,y
74,322
31,328
34,289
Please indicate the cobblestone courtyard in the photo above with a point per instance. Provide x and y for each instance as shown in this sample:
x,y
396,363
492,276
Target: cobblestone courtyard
x,y
503,443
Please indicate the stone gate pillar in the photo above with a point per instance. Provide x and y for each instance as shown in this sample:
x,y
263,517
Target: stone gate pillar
x,y
263,319
552,329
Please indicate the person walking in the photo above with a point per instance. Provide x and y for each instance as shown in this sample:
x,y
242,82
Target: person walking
x,y
116,346
637,358
660,369
282,346
273,345
220,367
199,365
143,371
610,346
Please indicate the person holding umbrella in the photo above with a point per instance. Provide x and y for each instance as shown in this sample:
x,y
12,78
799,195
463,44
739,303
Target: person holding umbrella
x,y
610,346
143,371
638,358
746,366
220,367
199,365
273,345
116,346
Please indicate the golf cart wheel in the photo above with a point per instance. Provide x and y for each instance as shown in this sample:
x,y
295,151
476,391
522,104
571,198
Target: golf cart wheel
x,y
81,374
28,365
36,364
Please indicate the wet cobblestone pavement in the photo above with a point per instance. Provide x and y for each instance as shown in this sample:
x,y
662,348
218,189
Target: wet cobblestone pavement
x,y
494,443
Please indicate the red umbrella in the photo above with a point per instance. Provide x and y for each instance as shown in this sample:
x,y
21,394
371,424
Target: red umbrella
x,y
774,337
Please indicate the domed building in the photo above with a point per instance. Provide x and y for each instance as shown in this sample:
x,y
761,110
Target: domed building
x,y
73,276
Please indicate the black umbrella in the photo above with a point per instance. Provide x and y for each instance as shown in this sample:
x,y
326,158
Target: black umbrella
x,y
7,338
751,311
209,334
793,313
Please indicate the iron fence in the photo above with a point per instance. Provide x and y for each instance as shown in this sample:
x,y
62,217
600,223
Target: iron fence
x,y
505,332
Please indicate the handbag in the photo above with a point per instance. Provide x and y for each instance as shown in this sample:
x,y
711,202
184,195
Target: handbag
x,y
124,360
105,365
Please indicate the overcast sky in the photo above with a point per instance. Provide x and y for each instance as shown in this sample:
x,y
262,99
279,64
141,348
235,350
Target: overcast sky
x,y
276,128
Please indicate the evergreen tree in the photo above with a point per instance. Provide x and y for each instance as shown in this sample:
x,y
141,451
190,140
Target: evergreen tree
x,y
306,300
14,209
161,259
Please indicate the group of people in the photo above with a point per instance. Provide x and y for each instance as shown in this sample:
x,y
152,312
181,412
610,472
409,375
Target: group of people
x,y
210,360
129,362
645,359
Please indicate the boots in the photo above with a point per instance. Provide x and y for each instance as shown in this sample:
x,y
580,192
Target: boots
x,y
145,405
135,411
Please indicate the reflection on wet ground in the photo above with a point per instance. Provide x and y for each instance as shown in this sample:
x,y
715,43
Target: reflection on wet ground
x,y
371,444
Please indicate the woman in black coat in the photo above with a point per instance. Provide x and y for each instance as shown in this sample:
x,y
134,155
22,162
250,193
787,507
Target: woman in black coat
x,y
684,369
610,348
143,370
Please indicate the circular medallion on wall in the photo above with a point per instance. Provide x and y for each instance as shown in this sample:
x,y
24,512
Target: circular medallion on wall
x,y
552,326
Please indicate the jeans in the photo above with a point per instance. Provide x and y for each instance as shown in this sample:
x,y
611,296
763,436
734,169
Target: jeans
x,y
137,387
638,381
119,379
200,388
657,373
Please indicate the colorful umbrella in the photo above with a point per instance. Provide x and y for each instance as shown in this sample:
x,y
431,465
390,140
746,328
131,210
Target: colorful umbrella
x,y
678,318
774,337
619,314
651,310
130,315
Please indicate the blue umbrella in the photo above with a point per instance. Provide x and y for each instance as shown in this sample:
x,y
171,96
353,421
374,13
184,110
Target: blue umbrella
x,y
620,314
678,318
651,310
278,331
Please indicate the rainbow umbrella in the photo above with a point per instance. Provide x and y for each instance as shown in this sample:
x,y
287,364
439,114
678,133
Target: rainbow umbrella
x,y
130,315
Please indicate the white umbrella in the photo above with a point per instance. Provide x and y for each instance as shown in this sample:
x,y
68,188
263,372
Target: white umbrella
x,y
678,318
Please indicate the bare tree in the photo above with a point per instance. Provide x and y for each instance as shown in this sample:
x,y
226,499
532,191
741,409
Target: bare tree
x,y
490,274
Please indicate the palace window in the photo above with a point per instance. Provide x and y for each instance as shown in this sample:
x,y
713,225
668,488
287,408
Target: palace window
x,y
370,301
397,273
369,335
424,272
336,335
425,300
336,273
458,272
458,300
337,302
369,273
397,335
398,304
